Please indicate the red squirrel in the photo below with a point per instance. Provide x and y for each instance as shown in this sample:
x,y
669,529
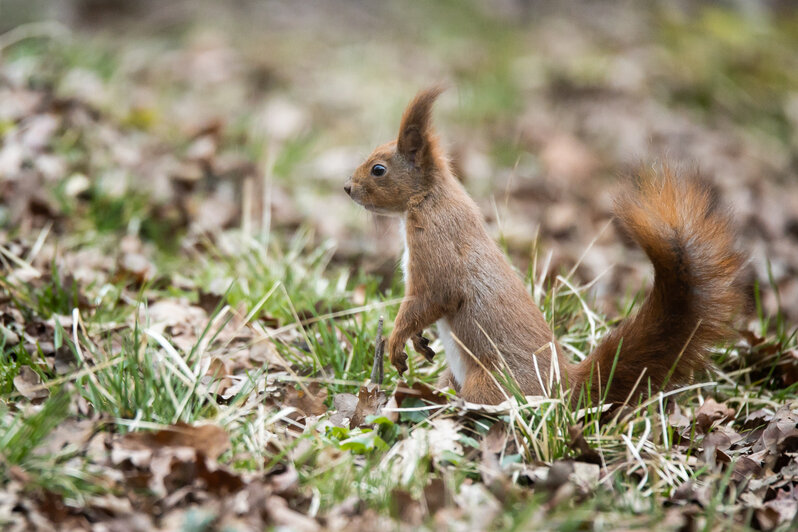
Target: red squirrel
x,y
456,276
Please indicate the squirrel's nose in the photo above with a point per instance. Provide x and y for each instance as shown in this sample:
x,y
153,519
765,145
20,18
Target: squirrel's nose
x,y
348,189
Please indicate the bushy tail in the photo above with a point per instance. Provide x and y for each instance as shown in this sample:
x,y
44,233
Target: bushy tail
x,y
700,282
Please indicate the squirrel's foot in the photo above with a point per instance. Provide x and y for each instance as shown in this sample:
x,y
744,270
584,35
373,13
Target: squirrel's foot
x,y
397,355
421,345
447,380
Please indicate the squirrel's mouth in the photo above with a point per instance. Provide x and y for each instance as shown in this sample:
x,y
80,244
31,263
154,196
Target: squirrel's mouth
x,y
373,208
354,196
356,199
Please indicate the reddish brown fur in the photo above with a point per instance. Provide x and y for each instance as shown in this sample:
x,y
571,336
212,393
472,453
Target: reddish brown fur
x,y
457,274
700,282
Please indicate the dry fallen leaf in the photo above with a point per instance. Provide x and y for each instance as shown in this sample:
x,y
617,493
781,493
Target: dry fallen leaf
x,y
585,476
405,507
435,495
495,439
210,440
493,444
757,418
745,468
345,405
676,418
782,509
28,384
217,377
710,412
370,399
308,403
419,390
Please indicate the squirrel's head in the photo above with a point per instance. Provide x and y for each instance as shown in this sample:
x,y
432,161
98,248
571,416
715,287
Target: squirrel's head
x,y
400,170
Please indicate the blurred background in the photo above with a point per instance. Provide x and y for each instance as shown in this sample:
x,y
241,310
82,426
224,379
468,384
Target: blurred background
x,y
176,121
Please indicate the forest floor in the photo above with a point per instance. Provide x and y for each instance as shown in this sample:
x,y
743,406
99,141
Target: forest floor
x,y
189,303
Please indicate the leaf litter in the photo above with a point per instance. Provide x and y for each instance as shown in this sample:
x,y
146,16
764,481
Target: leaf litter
x,y
254,423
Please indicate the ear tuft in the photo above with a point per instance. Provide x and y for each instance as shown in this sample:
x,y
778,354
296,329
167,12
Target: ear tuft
x,y
416,138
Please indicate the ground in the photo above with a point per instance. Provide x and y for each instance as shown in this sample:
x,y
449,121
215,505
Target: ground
x,y
189,303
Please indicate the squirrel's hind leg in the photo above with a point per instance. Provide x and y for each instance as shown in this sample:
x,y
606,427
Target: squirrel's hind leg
x,y
480,387
446,380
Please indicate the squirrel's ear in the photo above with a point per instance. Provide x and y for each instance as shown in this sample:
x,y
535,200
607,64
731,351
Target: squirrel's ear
x,y
415,134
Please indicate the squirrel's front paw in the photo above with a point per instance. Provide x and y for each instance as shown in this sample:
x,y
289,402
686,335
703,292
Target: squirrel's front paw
x,y
421,345
398,355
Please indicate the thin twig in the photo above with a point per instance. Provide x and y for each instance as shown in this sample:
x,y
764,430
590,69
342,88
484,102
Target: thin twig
x,y
378,370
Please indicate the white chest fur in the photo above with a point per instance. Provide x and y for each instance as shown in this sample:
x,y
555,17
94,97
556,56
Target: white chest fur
x,y
405,251
453,355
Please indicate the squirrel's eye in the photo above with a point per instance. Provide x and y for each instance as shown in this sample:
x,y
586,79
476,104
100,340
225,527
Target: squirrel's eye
x,y
378,170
